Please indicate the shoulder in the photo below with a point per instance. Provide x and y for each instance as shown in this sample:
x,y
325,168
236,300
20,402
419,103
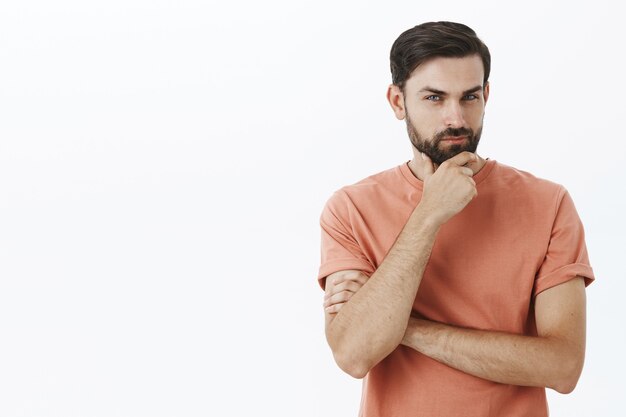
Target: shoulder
x,y
516,176
524,184
366,190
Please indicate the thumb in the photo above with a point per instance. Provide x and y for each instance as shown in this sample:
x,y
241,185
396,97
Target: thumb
x,y
429,167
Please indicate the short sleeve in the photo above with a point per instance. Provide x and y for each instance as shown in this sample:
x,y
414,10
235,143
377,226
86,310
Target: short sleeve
x,y
339,247
566,256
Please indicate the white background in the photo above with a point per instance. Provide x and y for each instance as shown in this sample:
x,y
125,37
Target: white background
x,y
163,165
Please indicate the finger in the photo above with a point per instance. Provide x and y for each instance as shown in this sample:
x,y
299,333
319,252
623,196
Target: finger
x,y
429,167
462,158
334,309
341,297
360,278
344,286
467,171
341,283
354,275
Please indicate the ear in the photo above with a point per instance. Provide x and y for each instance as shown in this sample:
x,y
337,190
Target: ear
x,y
395,97
486,92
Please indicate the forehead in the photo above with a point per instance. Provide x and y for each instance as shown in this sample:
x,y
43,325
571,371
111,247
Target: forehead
x,y
447,74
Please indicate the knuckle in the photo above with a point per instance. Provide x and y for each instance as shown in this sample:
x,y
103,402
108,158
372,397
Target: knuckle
x,y
353,274
354,286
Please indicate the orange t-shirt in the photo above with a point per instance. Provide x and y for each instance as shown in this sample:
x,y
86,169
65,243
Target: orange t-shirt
x,y
520,236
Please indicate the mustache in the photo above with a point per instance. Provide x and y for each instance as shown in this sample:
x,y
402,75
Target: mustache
x,y
459,131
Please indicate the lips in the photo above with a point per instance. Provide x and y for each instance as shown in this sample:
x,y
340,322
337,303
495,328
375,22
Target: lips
x,y
454,140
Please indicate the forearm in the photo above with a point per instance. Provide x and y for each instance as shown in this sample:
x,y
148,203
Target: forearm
x,y
497,356
373,322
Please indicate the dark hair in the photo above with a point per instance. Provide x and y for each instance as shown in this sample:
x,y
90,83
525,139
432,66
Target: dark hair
x,y
434,39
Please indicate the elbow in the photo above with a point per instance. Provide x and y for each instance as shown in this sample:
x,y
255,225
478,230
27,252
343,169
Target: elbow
x,y
357,356
357,372
569,377
350,364
357,361
565,387
350,358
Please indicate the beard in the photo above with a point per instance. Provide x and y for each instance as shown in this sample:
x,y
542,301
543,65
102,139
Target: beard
x,y
432,147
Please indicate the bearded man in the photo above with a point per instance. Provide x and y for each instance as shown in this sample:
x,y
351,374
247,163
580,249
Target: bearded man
x,y
454,284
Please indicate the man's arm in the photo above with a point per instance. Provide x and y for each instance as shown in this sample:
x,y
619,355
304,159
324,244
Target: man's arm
x,y
552,359
373,322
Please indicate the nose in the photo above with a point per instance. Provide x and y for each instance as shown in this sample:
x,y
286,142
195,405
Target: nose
x,y
454,115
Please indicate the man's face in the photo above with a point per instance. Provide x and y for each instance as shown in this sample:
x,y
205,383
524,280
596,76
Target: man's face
x,y
444,105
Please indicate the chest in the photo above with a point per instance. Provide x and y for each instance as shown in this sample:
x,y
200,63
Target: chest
x,y
483,264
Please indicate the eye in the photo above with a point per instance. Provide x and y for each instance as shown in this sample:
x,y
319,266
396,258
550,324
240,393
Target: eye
x,y
433,97
470,97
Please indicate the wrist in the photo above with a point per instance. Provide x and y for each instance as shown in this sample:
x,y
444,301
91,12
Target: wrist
x,y
422,334
412,336
428,217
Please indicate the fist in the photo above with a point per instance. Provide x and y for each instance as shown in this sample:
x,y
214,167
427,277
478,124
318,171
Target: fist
x,y
340,287
449,189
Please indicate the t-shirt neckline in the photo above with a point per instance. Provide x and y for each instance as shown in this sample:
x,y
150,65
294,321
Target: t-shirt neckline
x,y
419,184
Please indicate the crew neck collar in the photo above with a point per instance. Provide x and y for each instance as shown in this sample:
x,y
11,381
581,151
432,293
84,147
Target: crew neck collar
x,y
419,184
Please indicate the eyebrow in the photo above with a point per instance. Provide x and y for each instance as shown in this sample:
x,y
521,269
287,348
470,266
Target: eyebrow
x,y
443,93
